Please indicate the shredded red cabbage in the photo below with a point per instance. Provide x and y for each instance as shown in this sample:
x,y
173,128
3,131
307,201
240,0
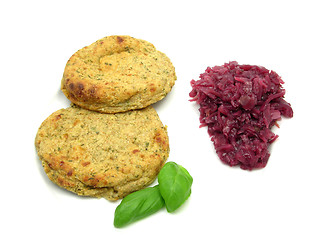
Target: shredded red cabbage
x,y
239,104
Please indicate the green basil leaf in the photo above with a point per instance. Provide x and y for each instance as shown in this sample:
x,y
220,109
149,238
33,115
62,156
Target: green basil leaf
x,y
175,185
138,205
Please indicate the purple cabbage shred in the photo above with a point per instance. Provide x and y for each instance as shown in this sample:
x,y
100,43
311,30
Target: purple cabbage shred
x,y
239,104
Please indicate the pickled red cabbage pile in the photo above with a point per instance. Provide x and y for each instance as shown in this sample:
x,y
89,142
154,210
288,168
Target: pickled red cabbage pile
x,y
239,104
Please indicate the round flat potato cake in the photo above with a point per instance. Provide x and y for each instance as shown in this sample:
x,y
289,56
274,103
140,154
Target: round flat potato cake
x,y
102,155
117,74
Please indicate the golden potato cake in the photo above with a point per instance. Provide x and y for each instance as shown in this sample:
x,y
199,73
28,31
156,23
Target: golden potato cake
x,y
102,155
117,74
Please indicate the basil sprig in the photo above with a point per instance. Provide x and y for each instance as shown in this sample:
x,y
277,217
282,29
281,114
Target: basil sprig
x,y
175,185
173,190
138,205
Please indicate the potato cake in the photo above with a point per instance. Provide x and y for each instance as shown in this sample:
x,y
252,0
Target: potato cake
x,y
102,155
117,74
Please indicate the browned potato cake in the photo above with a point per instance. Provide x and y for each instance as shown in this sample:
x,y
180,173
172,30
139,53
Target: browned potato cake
x,y
117,74
102,155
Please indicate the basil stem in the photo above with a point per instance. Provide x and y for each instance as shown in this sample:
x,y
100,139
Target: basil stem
x,y
175,185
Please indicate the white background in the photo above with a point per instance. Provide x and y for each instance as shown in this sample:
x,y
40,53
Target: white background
x,y
280,201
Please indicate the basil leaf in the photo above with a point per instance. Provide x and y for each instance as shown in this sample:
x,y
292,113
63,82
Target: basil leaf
x,y
138,205
175,185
